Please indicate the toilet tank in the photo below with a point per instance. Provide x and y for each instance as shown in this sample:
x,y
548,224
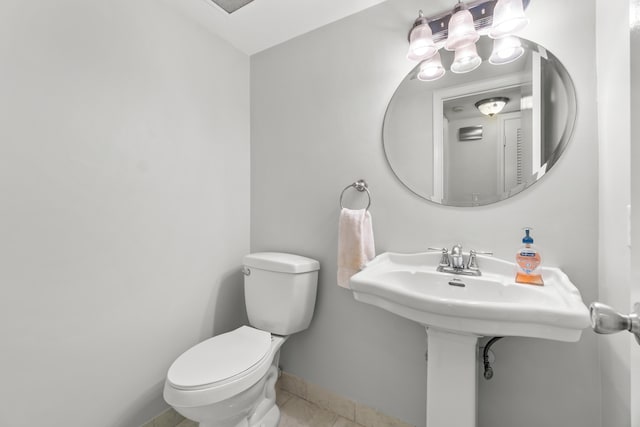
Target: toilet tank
x,y
280,291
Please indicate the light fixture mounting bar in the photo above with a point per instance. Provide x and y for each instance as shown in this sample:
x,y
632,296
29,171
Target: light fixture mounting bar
x,y
481,10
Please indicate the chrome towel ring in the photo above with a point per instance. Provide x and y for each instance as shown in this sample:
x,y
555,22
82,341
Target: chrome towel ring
x,y
359,185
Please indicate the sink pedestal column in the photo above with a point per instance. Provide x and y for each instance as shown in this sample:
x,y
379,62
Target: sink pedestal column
x,y
452,381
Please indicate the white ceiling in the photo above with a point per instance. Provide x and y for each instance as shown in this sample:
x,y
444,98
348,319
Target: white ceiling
x,y
265,23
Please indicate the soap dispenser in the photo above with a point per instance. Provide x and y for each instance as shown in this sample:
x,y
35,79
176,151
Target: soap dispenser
x,y
528,260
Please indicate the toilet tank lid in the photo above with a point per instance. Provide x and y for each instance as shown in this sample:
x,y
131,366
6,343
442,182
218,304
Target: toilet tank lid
x,y
281,262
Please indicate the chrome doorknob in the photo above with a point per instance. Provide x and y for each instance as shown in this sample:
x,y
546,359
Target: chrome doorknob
x,y
605,320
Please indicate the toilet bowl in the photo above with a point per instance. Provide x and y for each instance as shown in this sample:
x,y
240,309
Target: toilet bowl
x,y
226,379
229,380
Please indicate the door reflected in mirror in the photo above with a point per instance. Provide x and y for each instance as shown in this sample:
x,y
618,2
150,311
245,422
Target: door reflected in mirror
x,y
444,149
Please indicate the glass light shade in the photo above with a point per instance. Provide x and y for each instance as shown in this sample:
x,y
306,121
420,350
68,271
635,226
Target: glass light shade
x,y
431,69
421,45
508,18
491,106
466,59
506,50
461,30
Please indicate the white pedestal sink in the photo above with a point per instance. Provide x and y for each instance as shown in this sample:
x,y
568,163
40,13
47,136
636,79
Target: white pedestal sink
x,y
457,310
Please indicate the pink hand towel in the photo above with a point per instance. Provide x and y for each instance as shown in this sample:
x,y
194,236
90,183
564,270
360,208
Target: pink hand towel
x,y
355,243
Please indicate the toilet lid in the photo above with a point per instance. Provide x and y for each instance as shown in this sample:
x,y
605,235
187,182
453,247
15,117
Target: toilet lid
x,y
219,358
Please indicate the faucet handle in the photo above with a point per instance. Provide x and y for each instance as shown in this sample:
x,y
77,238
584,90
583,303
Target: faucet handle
x,y
444,259
474,252
473,262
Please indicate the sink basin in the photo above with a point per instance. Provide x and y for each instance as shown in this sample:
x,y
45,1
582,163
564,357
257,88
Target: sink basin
x,y
456,310
492,304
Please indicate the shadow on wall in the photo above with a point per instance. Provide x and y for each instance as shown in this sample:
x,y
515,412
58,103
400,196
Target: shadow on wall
x,y
227,303
228,298
150,402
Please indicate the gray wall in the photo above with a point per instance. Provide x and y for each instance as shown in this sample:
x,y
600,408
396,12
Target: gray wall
x,y
317,107
124,175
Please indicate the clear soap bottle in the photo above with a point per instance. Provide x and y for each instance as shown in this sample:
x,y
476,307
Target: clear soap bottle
x,y
528,262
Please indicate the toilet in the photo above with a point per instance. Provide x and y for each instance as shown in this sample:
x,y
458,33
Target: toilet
x,y
229,380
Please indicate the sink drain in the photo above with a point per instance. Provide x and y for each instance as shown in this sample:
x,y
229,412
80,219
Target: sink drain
x,y
457,282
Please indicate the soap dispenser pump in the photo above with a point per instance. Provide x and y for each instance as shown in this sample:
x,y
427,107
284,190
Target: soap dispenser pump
x,y
528,260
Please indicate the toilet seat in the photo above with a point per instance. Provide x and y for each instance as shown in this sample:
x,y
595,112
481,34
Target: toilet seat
x,y
219,358
219,367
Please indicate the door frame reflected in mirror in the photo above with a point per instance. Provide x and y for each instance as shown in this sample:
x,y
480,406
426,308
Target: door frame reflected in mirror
x,y
441,137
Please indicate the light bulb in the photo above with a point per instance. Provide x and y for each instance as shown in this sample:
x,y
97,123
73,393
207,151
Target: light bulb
x,y
431,69
466,59
506,50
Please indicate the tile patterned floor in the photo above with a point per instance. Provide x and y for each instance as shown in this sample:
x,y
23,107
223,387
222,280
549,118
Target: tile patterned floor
x,y
297,412
188,423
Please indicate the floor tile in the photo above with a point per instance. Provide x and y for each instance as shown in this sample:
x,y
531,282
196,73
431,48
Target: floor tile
x,y
331,402
300,413
169,418
343,422
282,397
370,417
188,423
294,385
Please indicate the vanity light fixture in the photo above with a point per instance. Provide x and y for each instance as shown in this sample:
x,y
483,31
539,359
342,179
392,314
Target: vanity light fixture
x,y
459,30
491,106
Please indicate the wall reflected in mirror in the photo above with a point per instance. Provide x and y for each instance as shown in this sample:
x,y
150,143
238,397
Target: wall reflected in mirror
x,y
445,150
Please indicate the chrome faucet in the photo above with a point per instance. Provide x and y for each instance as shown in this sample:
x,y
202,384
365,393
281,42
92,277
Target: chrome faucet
x,y
457,259
453,262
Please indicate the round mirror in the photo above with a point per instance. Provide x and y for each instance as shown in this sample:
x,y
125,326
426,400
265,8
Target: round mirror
x,y
480,137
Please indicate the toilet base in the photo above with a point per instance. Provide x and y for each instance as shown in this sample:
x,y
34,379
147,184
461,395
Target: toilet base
x,y
270,419
267,413
253,407
262,413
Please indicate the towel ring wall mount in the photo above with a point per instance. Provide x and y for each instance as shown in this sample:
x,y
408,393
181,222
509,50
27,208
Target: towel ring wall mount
x,y
360,185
